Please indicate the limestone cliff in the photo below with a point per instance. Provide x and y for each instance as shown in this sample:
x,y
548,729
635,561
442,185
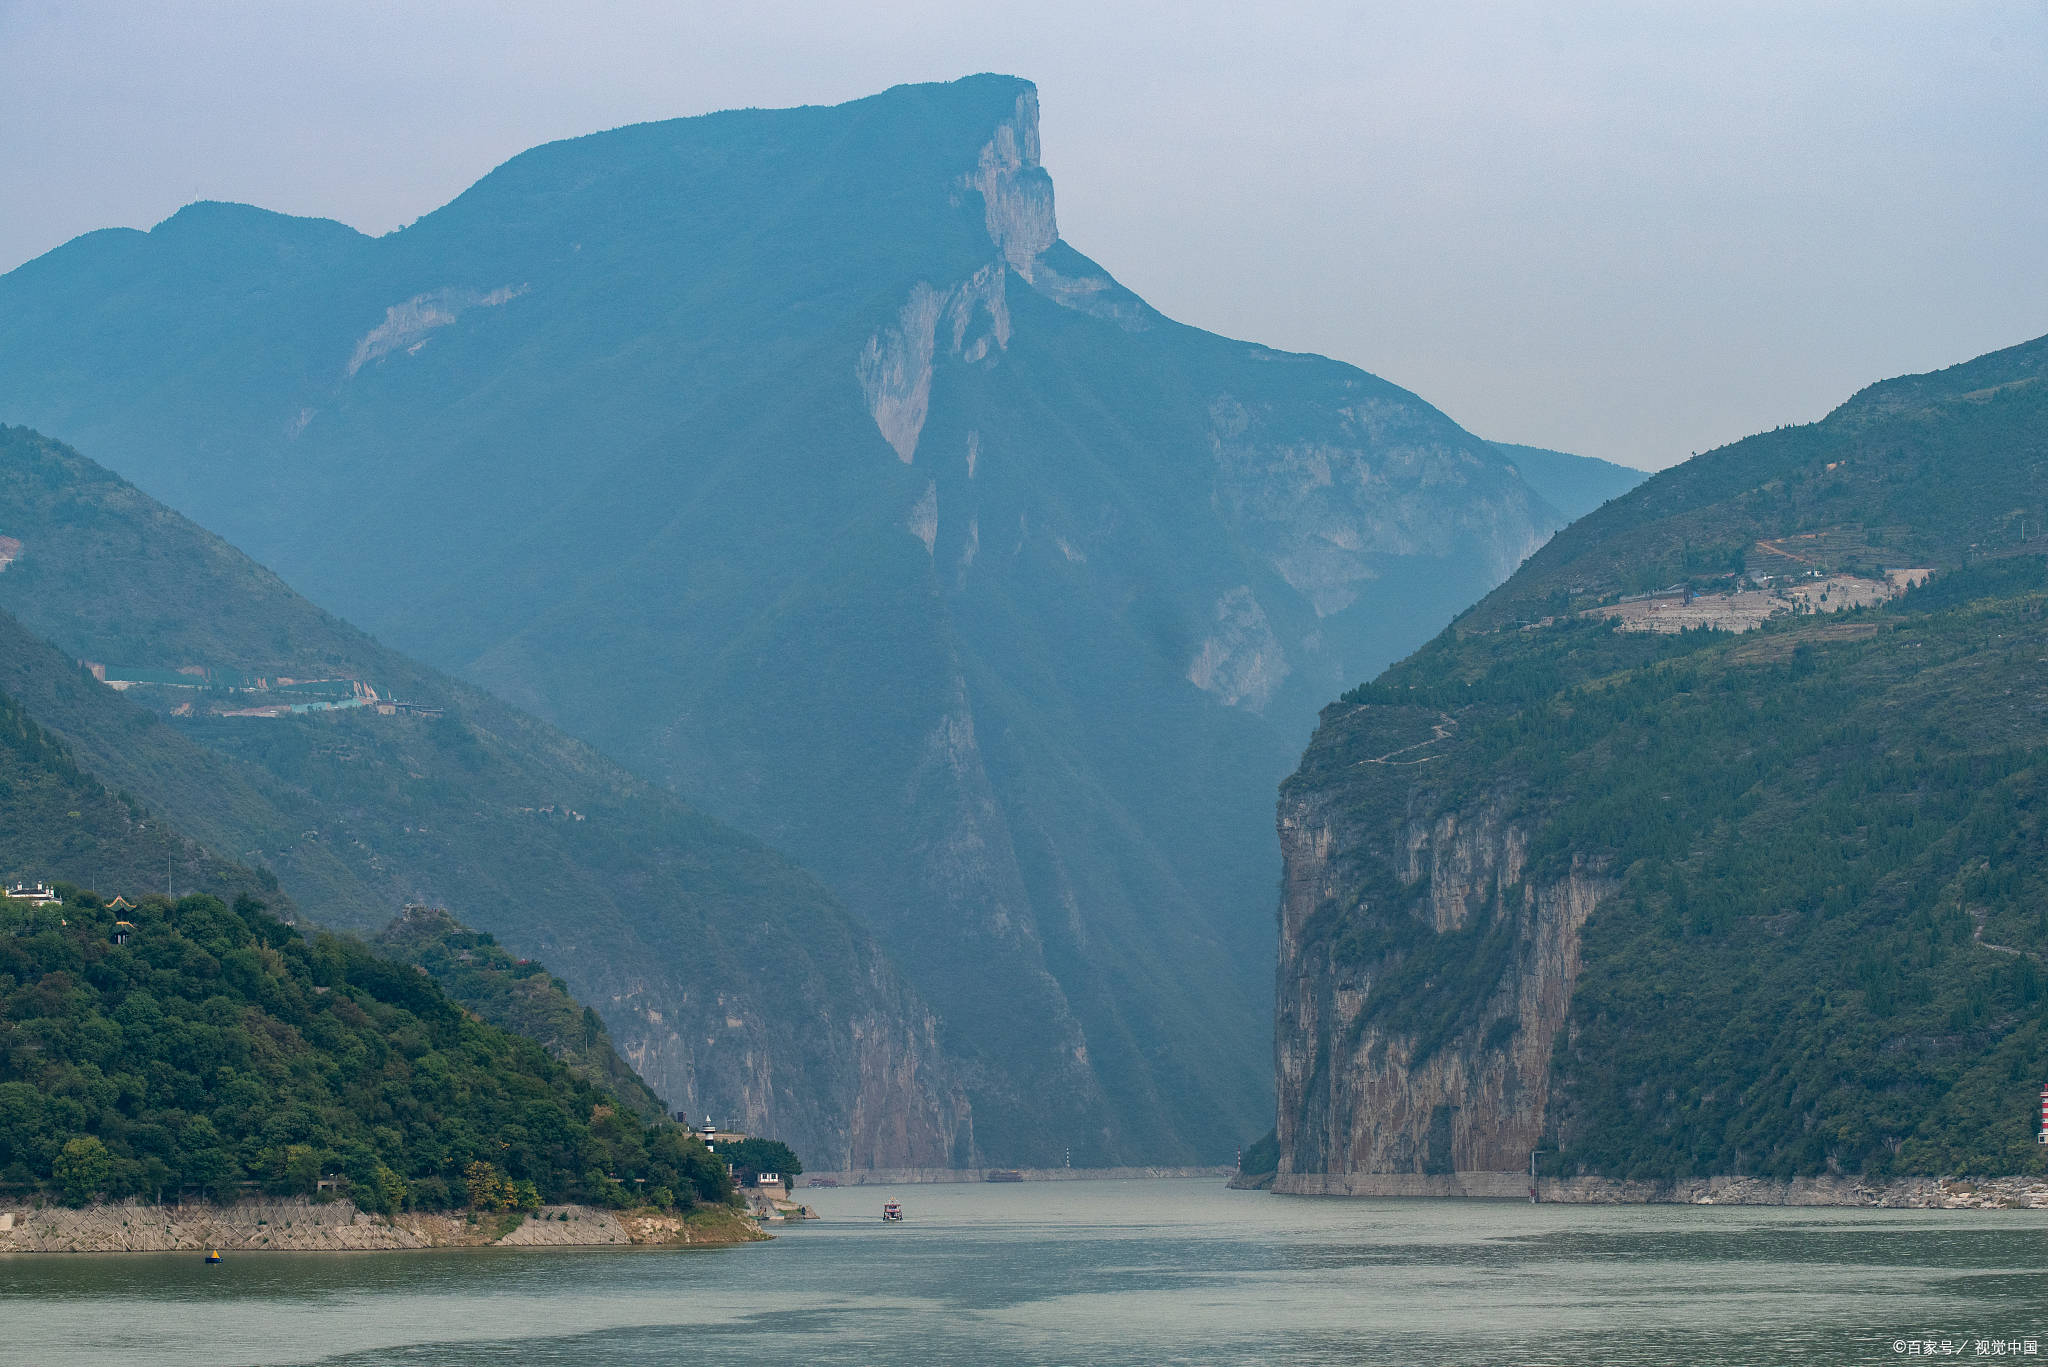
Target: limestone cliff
x,y
1425,969
857,1076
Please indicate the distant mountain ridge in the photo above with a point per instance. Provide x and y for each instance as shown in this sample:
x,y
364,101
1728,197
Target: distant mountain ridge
x,y
1574,485
793,458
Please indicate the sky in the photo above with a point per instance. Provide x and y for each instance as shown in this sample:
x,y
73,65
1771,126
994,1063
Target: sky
x,y
1633,231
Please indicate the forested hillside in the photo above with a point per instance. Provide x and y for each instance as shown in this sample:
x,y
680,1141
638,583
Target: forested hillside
x,y
519,995
1707,902
57,823
193,1045
190,1047
730,978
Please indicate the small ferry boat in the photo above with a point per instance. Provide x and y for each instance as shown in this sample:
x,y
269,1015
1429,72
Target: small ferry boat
x,y
892,1212
212,1255
1002,1175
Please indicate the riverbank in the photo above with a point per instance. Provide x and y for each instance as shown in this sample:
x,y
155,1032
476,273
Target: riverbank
x,y
337,1226
889,1177
1907,1193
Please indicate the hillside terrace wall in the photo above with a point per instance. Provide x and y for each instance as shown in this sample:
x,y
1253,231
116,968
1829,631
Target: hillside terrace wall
x,y
303,1226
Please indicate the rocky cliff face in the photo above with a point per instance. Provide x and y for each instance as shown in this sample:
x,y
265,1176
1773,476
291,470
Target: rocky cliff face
x,y
859,1078
1424,971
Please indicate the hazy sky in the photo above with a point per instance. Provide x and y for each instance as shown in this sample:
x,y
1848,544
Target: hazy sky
x,y
1632,230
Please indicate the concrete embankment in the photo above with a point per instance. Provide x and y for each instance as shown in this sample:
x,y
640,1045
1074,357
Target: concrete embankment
x,y
1908,1193
337,1226
885,1177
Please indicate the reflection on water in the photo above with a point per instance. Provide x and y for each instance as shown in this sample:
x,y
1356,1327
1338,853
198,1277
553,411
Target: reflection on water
x,y
1096,1272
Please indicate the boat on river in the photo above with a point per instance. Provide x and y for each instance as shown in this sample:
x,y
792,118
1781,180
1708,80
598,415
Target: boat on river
x,y
892,1212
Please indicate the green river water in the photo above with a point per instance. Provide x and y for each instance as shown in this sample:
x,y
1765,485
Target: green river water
x,y
1097,1272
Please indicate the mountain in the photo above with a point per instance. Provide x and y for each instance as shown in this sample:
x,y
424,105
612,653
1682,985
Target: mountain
x,y
1710,842
59,825
791,458
174,1047
1574,485
193,1045
730,978
517,995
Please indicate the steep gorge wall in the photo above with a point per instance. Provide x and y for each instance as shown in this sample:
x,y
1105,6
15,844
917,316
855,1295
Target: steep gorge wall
x,y
1366,1087
857,1079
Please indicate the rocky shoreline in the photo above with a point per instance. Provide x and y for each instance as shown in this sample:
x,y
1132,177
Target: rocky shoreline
x,y
337,1226
1906,1193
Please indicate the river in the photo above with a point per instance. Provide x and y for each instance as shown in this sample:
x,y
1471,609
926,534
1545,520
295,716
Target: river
x,y
1094,1273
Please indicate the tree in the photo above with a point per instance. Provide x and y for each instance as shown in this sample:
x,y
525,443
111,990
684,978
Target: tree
x,y
752,1157
301,1169
488,1189
391,1187
153,1177
605,1191
1263,1156
82,1169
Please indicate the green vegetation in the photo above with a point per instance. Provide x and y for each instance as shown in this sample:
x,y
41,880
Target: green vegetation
x,y
1826,950
514,826
216,1051
518,995
1934,469
751,1157
58,823
1262,1157
207,1046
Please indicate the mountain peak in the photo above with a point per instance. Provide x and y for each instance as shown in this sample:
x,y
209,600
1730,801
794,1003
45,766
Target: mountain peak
x,y
217,223
1979,377
1016,192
